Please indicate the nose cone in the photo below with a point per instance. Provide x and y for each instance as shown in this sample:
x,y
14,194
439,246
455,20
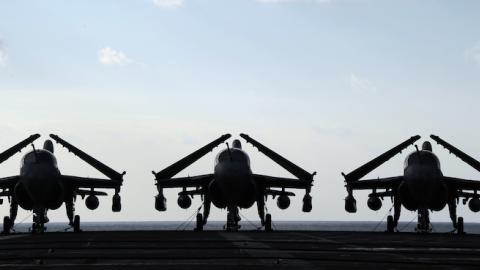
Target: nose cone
x,y
427,189
234,182
43,189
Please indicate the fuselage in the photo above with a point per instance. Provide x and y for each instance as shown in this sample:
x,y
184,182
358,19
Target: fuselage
x,y
233,184
423,187
39,186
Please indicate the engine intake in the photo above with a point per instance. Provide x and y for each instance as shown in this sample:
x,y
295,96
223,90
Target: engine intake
x,y
92,202
283,202
184,201
374,203
22,197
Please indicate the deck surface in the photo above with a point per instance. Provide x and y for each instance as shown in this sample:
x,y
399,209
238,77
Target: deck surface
x,y
241,250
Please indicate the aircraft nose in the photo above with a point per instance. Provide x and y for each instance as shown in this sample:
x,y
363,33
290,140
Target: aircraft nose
x,y
43,190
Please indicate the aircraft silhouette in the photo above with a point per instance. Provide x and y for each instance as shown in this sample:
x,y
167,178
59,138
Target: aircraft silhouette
x,y
421,188
232,185
41,187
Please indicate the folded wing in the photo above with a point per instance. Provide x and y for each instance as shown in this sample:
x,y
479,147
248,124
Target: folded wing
x,y
457,152
104,169
365,169
17,148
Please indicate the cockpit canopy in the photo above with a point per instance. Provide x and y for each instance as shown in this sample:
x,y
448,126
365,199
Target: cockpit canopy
x,y
422,158
39,156
237,144
427,146
235,155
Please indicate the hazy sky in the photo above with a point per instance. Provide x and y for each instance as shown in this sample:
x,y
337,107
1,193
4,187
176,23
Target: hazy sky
x,y
329,84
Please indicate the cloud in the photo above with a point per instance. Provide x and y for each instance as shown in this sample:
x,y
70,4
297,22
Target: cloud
x,y
473,53
3,54
168,4
294,1
361,84
109,56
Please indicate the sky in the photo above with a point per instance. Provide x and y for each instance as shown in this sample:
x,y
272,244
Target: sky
x,y
329,84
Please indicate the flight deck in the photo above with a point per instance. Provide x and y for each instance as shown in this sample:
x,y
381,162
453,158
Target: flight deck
x,y
239,250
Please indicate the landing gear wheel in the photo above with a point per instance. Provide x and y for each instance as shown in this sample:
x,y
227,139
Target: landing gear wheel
x,y
230,222
199,227
268,223
390,226
38,228
460,228
76,224
7,225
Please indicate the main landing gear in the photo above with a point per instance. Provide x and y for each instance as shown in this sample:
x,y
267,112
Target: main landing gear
x,y
76,224
7,225
460,228
199,227
8,221
390,224
268,223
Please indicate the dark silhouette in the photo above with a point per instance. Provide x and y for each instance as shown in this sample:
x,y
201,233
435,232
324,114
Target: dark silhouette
x,y
422,187
233,185
41,187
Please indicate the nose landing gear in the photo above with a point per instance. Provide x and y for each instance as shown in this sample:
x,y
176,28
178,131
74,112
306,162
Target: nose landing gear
x,y
424,225
39,220
232,220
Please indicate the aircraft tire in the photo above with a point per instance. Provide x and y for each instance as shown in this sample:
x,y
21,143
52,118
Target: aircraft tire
x,y
268,223
199,227
76,224
390,226
460,227
6,225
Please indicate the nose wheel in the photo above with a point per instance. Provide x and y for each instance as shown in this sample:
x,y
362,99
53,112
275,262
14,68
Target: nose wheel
x,y
38,228
232,220
423,225
39,220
